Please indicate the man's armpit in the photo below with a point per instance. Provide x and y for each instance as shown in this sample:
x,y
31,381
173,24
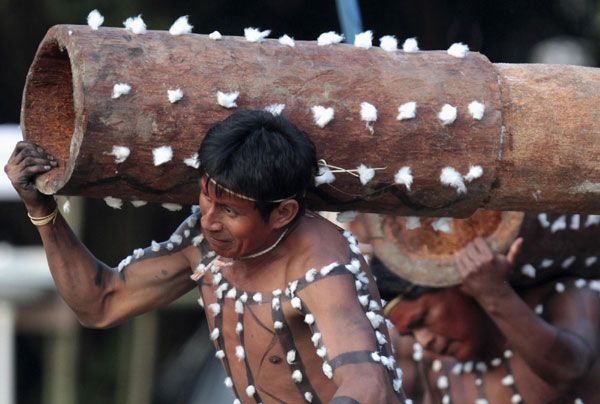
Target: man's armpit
x,y
344,400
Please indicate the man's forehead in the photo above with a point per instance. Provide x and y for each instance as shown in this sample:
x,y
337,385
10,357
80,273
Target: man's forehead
x,y
221,195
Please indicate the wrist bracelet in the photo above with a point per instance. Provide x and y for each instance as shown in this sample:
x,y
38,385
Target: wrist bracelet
x,y
41,221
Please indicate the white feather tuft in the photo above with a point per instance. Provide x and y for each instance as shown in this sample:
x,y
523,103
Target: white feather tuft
x,y
528,270
174,95
322,115
291,357
328,370
227,100
325,176
162,154
308,396
329,38
476,109
121,153
173,207
559,224
346,216
215,35
366,174
447,114
404,177
442,224
256,35
135,25
119,89
451,177
287,41
458,50
192,161
114,203
410,45
364,40
240,353
407,110
250,390
95,19
474,172
297,376
592,220
568,262
181,26
413,222
543,219
388,43
275,109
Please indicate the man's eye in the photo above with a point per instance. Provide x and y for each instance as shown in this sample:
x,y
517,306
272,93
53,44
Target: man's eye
x,y
229,211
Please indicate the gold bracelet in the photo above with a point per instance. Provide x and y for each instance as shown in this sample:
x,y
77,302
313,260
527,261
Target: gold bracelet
x,y
41,221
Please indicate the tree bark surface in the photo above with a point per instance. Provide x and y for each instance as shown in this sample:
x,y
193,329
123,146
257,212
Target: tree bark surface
x,y
538,142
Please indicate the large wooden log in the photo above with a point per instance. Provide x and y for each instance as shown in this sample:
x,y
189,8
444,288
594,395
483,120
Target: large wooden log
x,y
538,141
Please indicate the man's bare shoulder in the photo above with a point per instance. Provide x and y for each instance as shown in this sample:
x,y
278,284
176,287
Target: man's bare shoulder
x,y
317,243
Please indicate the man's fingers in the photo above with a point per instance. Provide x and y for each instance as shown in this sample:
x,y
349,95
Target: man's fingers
x,y
36,161
34,170
514,250
26,150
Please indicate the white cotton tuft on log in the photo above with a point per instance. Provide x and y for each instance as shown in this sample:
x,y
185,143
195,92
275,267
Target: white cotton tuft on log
x,y
346,216
458,50
476,109
543,219
135,25
227,100
407,110
120,152
442,224
368,112
451,177
413,222
181,26
119,89
447,114
592,220
325,176
559,224
215,35
174,95
322,115
364,40
114,203
365,174
404,177
162,154
388,43
138,204
410,45
474,173
192,161
275,109
256,35
287,41
95,19
173,207
329,38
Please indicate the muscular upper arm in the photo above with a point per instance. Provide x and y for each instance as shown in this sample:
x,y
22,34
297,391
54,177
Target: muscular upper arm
x,y
151,277
353,350
576,313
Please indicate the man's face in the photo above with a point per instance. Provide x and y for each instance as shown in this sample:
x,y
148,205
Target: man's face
x,y
232,226
447,323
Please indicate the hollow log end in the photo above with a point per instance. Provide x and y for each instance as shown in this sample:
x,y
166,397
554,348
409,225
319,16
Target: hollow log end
x,y
49,103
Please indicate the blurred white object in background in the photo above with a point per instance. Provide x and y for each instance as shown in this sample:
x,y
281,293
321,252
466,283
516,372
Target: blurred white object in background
x,y
10,134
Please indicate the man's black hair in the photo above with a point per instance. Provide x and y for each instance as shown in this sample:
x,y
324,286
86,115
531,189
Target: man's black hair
x,y
391,285
261,156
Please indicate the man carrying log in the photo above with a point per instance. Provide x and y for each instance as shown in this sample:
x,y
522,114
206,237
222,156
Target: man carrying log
x,y
487,341
292,308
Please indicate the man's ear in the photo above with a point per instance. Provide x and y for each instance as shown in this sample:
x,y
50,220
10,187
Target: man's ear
x,y
284,213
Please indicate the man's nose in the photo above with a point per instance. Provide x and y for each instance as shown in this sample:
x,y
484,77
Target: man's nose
x,y
209,220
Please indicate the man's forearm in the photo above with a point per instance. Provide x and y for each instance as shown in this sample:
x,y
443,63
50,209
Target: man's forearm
x,y
79,277
556,356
